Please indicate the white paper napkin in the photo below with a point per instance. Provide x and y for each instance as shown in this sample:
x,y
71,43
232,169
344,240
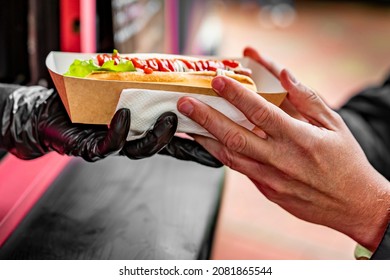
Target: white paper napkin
x,y
147,105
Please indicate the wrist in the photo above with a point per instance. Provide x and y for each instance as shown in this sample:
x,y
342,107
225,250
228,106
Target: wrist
x,y
20,121
5,91
376,214
382,252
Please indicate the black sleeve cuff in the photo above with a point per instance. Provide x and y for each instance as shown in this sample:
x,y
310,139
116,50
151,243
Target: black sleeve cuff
x,y
383,250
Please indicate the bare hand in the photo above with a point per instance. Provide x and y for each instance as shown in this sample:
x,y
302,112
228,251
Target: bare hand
x,y
314,169
275,70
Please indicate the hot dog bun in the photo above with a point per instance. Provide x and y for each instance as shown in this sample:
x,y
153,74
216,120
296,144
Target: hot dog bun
x,y
196,78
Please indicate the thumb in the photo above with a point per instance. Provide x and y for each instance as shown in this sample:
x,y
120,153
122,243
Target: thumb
x,y
270,65
306,101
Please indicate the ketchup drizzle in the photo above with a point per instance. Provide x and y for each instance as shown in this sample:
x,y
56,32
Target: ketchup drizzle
x,y
167,65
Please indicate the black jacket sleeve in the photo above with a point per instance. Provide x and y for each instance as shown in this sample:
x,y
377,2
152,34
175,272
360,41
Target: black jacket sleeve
x,y
383,250
367,115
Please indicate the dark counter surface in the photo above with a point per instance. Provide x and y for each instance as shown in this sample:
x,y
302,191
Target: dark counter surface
x,y
156,208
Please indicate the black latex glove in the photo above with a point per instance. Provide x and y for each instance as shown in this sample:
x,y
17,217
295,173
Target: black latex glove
x,y
180,148
34,122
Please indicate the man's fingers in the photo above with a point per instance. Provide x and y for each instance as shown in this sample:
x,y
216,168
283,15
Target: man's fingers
x,y
271,66
307,102
232,135
258,110
245,165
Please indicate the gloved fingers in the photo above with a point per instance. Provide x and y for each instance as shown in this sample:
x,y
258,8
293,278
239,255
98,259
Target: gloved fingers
x,y
154,140
187,149
116,135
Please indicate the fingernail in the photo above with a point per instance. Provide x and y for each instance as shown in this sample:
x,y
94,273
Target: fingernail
x,y
291,77
218,84
185,107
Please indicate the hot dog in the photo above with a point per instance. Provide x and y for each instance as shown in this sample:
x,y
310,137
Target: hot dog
x,y
178,70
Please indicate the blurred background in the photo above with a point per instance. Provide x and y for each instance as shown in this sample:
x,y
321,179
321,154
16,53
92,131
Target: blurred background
x,y
335,47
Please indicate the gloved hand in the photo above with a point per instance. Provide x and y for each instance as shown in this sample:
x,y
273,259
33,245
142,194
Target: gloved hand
x,y
34,122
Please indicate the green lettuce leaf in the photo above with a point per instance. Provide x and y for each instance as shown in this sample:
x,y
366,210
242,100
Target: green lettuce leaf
x,y
82,68
123,66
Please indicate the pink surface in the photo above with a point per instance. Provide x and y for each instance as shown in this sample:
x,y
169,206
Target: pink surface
x,y
22,183
69,15
88,25
171,29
